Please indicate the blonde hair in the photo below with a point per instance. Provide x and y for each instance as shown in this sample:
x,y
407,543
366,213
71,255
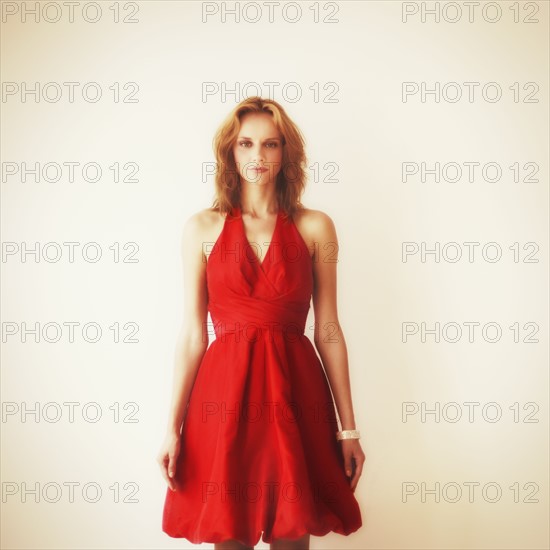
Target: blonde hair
x,y
291,179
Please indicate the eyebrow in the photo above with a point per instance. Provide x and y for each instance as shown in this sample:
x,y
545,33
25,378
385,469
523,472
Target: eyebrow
x,y
268,139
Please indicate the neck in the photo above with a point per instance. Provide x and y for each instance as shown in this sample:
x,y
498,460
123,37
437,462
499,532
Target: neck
x,y
258,201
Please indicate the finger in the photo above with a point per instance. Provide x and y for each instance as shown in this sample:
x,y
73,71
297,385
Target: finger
x,y
169,481
172,467
172,484
164,473
348,464
357,475
172,473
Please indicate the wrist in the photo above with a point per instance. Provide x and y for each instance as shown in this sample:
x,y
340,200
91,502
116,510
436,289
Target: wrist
x,y
349,426
173,432
347,421
348,434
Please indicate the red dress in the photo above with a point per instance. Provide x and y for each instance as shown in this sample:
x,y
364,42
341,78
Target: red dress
x,y
259,456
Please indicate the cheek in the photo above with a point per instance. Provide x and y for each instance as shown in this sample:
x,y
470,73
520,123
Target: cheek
x,y
276,155
239,157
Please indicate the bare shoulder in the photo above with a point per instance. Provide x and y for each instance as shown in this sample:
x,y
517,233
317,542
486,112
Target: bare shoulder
x,y
315,225
200,229
203,224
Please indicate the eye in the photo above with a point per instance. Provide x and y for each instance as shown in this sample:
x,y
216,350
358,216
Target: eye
x,y
243,142
273,144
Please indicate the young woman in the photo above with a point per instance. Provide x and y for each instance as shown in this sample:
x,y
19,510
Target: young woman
x,y
252,447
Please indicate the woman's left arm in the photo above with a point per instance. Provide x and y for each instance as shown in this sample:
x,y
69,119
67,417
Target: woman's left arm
x,y
329,337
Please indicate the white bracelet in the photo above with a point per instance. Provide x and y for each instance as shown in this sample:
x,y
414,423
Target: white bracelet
x,y
348,434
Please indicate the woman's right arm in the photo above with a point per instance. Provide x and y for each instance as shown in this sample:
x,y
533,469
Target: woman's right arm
x,y
192,340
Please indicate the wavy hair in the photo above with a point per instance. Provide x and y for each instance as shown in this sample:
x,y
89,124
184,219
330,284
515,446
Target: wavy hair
x,y
291,179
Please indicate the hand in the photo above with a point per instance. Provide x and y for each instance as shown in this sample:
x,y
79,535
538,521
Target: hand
x,y
167,458
354,457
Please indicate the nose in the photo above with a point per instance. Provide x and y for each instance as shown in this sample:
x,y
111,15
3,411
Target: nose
x,y
256,154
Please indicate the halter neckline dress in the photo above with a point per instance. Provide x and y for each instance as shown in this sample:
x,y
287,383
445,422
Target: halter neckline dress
x,y
259,456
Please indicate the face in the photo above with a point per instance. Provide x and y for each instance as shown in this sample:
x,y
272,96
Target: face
x,y
258,150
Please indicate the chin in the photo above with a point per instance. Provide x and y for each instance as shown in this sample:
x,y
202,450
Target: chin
x,y
258,181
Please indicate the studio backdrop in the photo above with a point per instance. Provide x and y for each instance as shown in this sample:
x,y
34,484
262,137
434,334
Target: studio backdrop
x,y
426,128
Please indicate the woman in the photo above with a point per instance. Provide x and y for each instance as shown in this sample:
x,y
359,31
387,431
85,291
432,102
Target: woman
x,y
252,447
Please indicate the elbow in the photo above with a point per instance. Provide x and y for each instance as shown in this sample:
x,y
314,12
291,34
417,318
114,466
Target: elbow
x,y
193,337
319,344
328,334
196,340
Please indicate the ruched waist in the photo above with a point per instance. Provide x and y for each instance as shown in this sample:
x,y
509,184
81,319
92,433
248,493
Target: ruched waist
x,y
252,330
257,318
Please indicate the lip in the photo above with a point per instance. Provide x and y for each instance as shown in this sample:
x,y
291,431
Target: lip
x,y
260,169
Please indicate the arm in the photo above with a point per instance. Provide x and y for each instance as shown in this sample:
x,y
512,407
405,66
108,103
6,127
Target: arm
x,y
192,340
191,344
329,338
